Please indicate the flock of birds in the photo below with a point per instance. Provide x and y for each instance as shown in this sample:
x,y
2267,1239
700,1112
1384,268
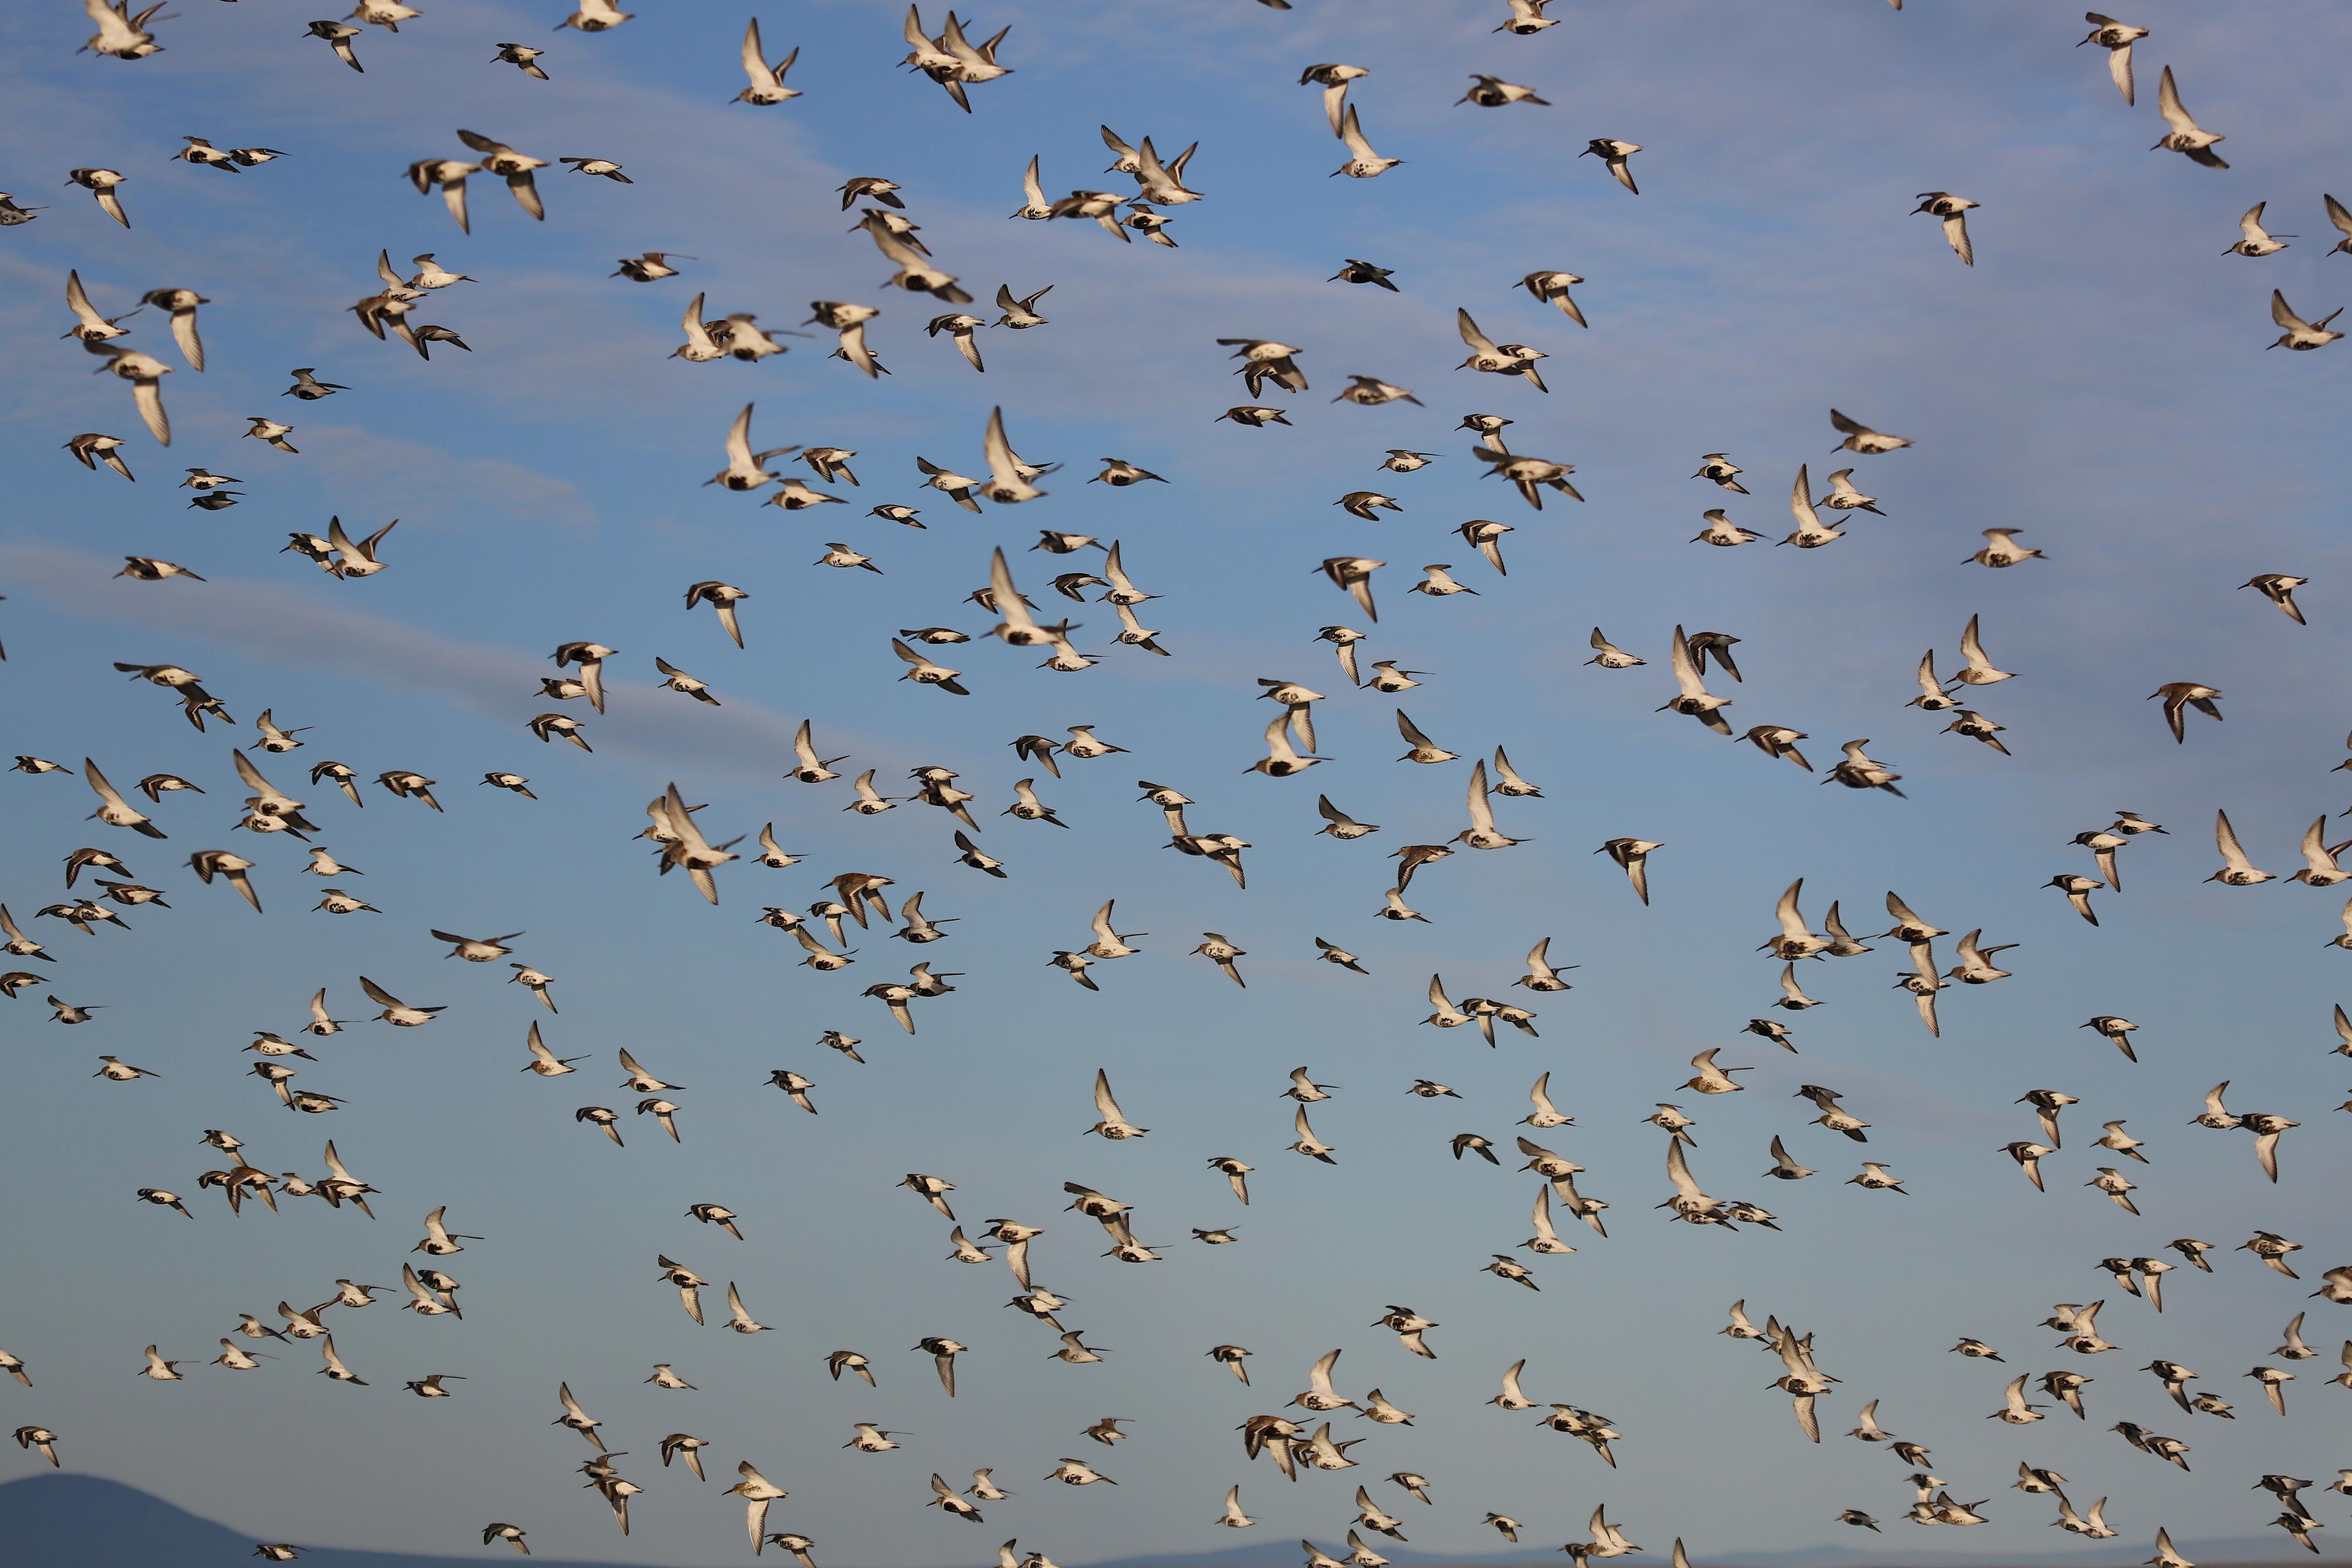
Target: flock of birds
x,y
1298,1434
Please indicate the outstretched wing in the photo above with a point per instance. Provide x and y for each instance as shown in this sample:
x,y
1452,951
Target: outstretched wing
x,y
755,60
738,440
1801,502
2226,839
1687,674
2167,104
1015,613
1482,810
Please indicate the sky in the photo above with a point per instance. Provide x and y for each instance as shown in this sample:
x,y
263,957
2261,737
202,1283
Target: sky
x,y
2097,380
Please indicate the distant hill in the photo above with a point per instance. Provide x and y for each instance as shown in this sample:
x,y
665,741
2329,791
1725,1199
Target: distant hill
x,y
1278,1553
66,1521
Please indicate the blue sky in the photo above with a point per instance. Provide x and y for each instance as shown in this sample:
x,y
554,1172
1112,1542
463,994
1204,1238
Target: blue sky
x,y
2097,380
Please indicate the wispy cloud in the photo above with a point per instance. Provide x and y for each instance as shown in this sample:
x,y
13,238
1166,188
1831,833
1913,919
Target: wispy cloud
x,y
739,740
421,483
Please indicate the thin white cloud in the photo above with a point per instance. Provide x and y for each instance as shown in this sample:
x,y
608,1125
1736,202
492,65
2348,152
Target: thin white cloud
x,y
421,483
739,740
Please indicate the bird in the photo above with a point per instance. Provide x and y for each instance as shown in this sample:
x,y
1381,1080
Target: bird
x,y
2297,333
2115,1030
1363,163
1693,697
946,1499
337,36
1493,92
91,448
1421,749
1634,855
722,597
1355,272
1862,439
1334,79
2183,134
1617,155
2279,588
2002,550
524,58
2256,242
1020,312
101,183
2182,695
767,83
756,1492
1954,212
2117,39
2014,1410
395,1012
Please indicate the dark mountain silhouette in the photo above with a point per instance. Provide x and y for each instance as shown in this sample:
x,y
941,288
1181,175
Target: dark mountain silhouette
x,y
2240,1553
66,1521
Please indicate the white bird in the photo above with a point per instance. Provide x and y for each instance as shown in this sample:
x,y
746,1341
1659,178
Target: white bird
x,y
1113,1124
746,469
1954,212
2185,135
2014,1410
101,183
1481,834
144,372
334,1367
338,35
1552,288
756,1492
2297,333
594,16
395,1012
767,86
2117,39
1618,155
1691,695
1862,439
2341,216
2255,241
113,811
2237,870
1811,532
124,37
1363,163
516,168
1333,78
